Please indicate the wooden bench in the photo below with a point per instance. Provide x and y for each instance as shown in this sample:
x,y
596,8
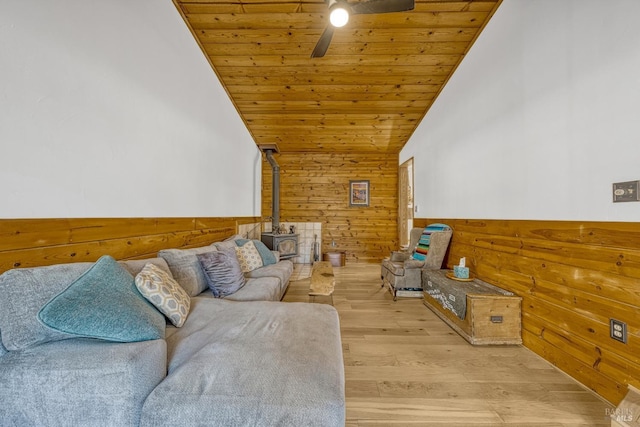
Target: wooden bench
x,y
491,315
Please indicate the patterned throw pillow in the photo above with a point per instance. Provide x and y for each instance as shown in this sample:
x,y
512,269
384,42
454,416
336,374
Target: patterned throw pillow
x,y
266,254
248,257
164,293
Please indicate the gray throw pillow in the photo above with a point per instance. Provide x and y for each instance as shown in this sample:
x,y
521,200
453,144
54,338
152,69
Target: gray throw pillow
x,y
223,272
186,269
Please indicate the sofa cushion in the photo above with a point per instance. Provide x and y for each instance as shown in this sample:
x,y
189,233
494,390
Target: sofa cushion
x,y
222,271
271,367
248,257
282,270
186,269
262,289
104,303
399,268
159,288
24,292
255,289
79,382
3,349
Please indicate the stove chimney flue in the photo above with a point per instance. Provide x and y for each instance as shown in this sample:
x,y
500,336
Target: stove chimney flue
x,y
268,150
275,192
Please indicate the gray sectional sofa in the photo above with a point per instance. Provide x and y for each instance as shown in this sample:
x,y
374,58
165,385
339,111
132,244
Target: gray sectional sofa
x,y
246,359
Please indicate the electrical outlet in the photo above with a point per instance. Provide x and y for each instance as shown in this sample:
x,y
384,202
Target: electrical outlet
x,y
618,330
626,191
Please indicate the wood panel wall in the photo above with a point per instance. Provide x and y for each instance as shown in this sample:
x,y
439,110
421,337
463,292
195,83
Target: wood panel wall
x,y
573,277
35,242
315,188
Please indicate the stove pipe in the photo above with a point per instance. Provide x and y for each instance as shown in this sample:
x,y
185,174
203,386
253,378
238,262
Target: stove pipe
x,y
275,192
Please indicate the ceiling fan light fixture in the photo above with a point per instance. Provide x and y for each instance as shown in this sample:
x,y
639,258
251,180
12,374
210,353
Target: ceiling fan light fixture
x,y
339,11
339,16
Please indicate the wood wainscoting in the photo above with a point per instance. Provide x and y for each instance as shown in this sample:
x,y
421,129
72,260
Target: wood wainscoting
x,y
35,242
573,277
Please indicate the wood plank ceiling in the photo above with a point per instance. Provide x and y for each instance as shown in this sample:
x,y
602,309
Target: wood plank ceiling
x,y
376,82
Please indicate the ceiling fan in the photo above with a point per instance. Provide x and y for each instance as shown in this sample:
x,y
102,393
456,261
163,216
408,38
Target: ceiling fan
x,y
340,10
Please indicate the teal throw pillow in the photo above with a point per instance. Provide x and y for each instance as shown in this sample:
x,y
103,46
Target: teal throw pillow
x,y
265,253
104,303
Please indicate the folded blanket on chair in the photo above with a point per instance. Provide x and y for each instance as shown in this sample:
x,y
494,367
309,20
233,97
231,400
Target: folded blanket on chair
x,y
422,249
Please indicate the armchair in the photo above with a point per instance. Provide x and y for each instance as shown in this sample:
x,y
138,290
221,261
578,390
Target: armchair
x,y
402,271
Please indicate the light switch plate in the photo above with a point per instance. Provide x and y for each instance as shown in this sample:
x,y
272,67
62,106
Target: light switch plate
x,y
626,191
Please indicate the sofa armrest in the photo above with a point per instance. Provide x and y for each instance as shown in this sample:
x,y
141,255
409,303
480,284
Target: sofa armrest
x,y
413,263
80,381
398,256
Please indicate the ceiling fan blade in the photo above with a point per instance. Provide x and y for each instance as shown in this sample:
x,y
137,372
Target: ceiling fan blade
x,y
382,6
323,43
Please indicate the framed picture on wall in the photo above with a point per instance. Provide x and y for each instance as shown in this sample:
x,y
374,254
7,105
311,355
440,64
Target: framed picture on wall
x,y
359,193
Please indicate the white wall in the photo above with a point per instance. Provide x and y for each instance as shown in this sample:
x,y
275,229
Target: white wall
x,y
109,109
540,118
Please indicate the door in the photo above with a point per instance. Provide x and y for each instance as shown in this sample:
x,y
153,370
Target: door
x,y
405,201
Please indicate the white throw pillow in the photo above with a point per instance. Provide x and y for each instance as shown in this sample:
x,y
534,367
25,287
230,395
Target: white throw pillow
x,y
248,257
164,293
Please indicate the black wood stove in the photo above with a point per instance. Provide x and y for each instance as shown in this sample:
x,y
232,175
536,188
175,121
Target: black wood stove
x,y
286,244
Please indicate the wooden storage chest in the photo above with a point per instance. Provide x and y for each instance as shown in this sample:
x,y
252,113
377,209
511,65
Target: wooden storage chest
x,y
627,413
492,315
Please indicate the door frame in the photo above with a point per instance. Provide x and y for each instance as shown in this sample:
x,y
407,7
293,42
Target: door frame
x,y
405,201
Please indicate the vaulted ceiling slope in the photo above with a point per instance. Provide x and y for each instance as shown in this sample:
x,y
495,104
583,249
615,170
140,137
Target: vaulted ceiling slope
x,y
376,82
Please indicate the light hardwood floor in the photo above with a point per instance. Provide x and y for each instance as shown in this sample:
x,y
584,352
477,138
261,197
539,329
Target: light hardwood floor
x,y
405,367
